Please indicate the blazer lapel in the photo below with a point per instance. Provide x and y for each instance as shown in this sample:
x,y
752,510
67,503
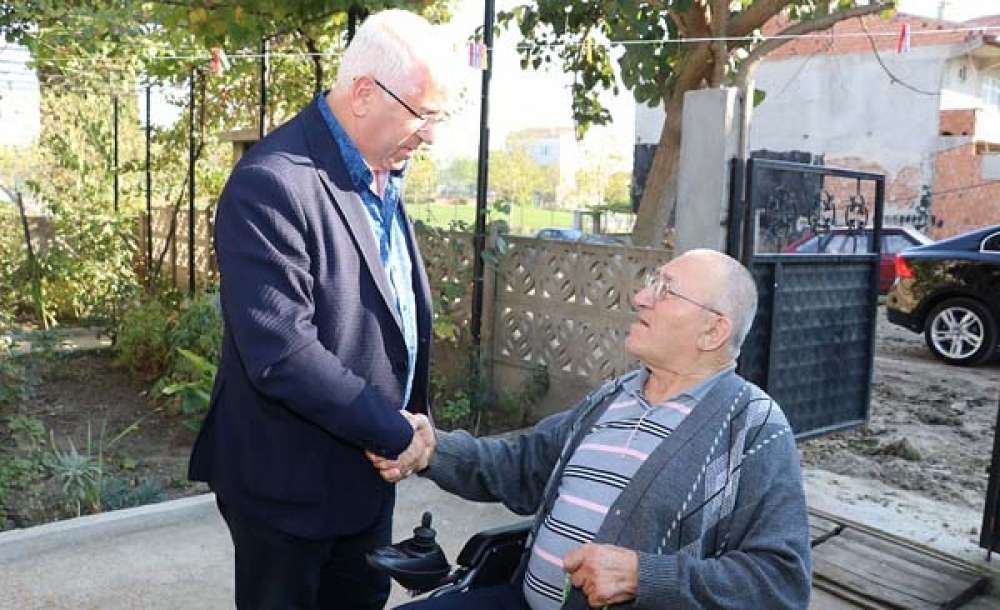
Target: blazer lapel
x,y
352,209
355,215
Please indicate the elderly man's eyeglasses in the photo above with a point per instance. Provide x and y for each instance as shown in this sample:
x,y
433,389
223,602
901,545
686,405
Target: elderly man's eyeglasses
x,y
428,119
661,286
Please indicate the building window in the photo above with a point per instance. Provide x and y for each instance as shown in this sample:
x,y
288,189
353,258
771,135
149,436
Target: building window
x,y
991,91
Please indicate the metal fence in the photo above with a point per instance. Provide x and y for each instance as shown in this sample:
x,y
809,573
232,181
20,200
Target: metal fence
x,y
813,341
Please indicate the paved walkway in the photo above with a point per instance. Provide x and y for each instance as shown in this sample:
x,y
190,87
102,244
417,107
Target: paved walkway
x,y
68,339
178,554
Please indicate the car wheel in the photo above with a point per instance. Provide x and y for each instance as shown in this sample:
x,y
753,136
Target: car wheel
x,y
961,331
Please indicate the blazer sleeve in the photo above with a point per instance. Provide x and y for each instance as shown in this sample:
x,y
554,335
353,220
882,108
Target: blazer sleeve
x,y
268,307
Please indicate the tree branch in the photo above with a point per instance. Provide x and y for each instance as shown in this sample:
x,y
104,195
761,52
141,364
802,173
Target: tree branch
x,y
756,15
802,27
720,52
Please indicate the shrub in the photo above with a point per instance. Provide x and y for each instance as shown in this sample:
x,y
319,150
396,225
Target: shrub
x,y
194,395
142,342
199,331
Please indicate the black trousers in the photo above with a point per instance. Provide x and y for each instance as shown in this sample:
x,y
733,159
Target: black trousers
x,y
275,570
499,597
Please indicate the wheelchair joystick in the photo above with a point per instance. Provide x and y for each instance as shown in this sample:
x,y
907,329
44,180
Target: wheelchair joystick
x,y
424,535
417,563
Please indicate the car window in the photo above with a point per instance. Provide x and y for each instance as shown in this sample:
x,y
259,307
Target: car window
x,y
891,244
992,243
848,244
810,246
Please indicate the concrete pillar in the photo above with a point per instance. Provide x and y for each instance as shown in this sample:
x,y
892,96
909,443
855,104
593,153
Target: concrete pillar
x,y
711,127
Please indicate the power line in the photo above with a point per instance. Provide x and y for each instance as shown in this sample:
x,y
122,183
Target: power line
x,y
885,68
957,189
238,55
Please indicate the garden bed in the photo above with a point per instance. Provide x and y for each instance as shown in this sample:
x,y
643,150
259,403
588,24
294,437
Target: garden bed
x,y
67,399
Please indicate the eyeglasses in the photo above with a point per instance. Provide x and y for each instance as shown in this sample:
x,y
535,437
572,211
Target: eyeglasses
x,y
661,286
427,119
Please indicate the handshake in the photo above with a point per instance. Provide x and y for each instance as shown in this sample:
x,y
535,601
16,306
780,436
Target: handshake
x,y
416,457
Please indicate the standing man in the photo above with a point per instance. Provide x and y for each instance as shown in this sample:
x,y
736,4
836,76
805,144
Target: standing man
x,y
327,319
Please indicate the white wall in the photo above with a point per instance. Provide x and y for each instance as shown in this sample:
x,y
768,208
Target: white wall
x,y
847,106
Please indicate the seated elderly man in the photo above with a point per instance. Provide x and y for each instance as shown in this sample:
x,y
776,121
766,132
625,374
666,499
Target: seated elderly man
x,y
674,486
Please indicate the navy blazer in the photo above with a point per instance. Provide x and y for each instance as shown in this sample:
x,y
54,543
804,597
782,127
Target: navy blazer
x,y
313,365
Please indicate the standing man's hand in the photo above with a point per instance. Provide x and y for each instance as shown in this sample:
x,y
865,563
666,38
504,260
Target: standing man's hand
x,y
606,574
416,457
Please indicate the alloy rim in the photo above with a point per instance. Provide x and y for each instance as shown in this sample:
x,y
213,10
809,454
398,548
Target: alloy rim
x,y
957,332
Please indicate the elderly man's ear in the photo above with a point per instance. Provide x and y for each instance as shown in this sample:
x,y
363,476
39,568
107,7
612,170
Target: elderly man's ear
x,y
720,329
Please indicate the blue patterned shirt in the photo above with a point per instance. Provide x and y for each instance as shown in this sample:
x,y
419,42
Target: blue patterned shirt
x,y
386,220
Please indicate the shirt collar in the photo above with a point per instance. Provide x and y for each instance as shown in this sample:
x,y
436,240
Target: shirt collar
x,y
360,172
695,393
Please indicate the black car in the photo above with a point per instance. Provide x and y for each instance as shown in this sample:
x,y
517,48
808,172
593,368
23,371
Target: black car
x,y
950,291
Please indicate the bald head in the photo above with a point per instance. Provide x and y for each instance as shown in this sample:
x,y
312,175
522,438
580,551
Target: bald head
x,y
732,290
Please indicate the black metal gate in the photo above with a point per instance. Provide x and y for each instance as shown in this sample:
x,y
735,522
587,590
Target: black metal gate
x,y
811,236
989,538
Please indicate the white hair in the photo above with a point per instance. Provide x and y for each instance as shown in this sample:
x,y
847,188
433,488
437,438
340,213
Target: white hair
x,y
736,295
391,45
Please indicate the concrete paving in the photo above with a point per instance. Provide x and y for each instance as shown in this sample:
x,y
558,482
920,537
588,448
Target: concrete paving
x,y
178,554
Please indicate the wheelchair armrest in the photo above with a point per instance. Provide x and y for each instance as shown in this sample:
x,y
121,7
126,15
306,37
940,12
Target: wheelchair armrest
x,y
478,547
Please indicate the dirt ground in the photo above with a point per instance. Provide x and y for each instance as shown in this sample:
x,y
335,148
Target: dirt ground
x,y
931,425
85,391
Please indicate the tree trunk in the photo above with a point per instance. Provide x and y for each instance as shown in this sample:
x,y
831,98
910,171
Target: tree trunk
x,y
656,208
658,198
313,50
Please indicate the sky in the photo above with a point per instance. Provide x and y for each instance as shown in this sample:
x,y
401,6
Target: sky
x,y
519,99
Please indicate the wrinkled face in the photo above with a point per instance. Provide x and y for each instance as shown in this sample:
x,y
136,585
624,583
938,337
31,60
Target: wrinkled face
x,y
398,118
673,323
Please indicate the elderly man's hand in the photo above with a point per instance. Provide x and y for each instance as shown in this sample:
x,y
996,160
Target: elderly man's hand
x,y
607,574
415,457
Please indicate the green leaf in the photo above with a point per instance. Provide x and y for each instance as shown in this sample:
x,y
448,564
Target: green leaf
x,y
758,97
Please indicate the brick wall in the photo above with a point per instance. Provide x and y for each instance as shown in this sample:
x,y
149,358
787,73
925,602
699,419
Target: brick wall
x,y
957,123
849,36
963,200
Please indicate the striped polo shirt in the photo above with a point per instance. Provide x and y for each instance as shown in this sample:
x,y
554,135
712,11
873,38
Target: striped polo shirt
x,y
600,468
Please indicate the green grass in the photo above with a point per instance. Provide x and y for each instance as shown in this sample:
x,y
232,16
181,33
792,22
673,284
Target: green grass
x,y
523,220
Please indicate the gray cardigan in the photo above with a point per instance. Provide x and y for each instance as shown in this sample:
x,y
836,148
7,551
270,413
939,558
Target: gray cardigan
x,y
717,513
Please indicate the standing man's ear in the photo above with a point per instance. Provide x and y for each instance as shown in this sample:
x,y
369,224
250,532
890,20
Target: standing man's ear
x,y
719,330
362,95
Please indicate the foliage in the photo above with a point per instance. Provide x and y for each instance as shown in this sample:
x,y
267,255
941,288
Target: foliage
x,y
198,330
13,376
118,492
524,220
81,474
78,474
459,177
518,179
178,345
142,343
602,181
88,52
22,465
195,396
421,179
